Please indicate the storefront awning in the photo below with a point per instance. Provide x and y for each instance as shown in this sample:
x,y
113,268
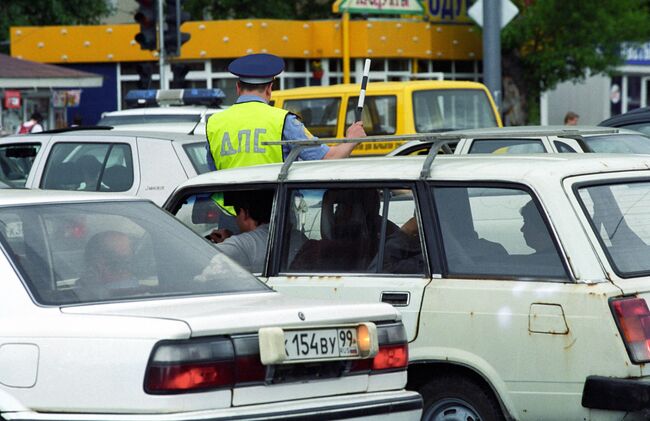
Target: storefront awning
x,y
16,74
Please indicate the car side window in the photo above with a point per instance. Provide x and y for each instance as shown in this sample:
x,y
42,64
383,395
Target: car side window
x,y
105,167
16,161
362,230
379,114
496,232
563,147
506,146
206,211
319,115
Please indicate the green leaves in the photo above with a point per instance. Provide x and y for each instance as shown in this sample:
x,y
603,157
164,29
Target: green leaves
x,y
559,40
48,12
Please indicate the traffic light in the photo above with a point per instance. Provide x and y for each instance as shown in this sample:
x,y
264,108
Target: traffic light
x,y
145,70
146,16
179,71
174,18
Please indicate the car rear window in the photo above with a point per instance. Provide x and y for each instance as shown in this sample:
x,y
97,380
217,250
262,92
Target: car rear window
x,y
15,163
619,215
88,252
106,167
507,146
618,143
196,152
444,109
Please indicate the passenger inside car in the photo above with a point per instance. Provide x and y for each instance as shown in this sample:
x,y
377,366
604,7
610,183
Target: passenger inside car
x,y
108,258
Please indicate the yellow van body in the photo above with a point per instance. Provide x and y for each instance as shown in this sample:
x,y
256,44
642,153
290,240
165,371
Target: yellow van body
x,y
391,108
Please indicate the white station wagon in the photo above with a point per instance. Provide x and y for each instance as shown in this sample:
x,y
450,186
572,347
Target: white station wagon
x,y
113,310
523,280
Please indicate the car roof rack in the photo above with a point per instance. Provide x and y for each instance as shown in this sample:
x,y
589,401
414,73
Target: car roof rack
x,y
439,139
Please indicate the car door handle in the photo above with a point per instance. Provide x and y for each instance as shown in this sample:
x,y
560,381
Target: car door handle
x,y
396,298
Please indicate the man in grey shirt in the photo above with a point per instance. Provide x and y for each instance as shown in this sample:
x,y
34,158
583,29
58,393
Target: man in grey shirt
x,y
253,215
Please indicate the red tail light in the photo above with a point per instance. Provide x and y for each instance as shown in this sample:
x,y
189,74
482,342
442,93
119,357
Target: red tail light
x,y
393,351
203,364
391,357
633,318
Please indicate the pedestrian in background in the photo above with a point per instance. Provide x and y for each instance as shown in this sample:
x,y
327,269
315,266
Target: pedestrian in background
x,y
571,118
33,125
235,135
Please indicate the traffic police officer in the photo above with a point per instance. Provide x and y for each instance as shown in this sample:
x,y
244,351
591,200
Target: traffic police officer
x,y
235,135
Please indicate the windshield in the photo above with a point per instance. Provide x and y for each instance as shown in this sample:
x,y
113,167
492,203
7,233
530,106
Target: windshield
x,y
107,251
119,120
618,143
444,109
15,163
619,214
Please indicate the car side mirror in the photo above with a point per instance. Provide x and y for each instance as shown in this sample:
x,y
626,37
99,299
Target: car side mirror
x,y
205,211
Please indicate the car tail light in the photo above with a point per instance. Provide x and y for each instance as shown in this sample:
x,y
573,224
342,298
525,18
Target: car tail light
x,y
203,364
633,319
392,354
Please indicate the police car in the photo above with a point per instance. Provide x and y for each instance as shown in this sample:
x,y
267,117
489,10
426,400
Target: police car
x,y
143,163
173,110
523,281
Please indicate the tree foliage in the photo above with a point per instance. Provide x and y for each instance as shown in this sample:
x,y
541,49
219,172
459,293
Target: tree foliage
x,y
552,41
48,12
269,9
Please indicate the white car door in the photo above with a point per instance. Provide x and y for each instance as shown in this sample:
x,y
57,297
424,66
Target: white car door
x,y
360,243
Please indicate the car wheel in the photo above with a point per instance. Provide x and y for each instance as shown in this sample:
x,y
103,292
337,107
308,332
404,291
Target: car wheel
x,y
451,398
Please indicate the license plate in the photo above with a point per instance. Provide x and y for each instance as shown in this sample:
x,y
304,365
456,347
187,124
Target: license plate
x,y
321,343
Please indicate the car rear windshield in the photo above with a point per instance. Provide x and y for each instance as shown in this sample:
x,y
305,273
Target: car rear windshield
x,y
71,253
119,120
618,143
443,109
619,215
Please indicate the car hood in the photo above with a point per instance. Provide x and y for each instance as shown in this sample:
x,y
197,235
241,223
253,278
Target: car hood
x,y
242,313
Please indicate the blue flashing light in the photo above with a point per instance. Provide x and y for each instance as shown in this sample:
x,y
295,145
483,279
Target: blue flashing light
x,y
141,98
154,97
198,96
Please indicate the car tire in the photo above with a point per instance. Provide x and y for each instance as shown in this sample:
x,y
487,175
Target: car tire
x,y
458,398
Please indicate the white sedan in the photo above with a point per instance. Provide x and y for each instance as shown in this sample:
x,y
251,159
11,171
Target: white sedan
x,y
113,310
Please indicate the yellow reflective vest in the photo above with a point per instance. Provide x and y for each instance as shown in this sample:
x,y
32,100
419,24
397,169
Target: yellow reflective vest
x,y
235,135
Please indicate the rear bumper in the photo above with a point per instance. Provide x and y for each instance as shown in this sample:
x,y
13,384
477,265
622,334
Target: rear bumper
x,y
616,394
400,406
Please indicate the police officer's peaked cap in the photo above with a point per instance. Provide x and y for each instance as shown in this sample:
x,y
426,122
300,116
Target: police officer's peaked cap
x,y
257,68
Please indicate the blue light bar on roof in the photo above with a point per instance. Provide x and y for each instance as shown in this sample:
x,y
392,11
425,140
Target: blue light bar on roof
x,y
156,97
141,98
209,97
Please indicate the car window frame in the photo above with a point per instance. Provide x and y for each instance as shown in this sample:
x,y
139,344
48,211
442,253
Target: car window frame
x,y
279,223
594,230
432,184
135,159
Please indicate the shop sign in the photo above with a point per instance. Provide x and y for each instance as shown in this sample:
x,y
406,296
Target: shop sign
x,y
448,11
12,99
70,98
636,54
392,7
